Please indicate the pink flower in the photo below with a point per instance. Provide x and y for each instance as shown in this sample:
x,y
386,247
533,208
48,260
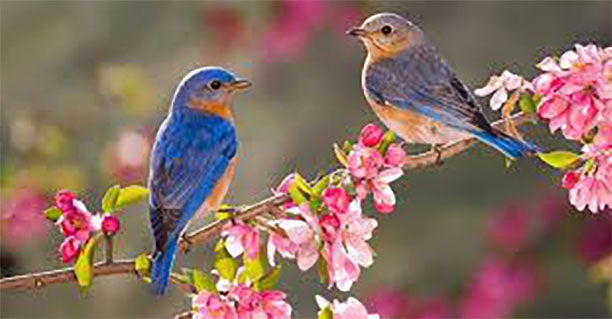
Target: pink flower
x,y
239,300
21,218
508,229
576,91
350,309
283,188
370,135
384,198
70,249
336,199
110,224
501,85
497,288
364,162
77,222
64,200
594,187
240,238
395,155
300,241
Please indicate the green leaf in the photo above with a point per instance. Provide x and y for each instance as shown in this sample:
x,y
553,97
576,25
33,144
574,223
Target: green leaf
x,y
325,313
302,184
347,147
131,195
203,282
387,139
83,268
340,155
254,267
52,213
110,198
527,104
315,203
559,159
269,280
296,194
321,185
224,263
142,264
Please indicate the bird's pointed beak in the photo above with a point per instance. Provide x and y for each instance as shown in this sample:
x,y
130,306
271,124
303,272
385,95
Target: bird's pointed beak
x,y
356,32
240,84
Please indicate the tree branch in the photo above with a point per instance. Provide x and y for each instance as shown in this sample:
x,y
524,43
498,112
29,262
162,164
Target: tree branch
x,y
269,205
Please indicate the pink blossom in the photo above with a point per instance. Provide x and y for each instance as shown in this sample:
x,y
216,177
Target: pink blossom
x,y
497,288
508,229
300,242
395,155
576,90
593,190
239,300
336,199
21,218
70,249
240,238
384,198
64,200
110,224
364,162
501,85
283,188
370,135
77,222
350,309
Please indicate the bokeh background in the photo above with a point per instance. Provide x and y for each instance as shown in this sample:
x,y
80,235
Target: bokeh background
x,y
84,86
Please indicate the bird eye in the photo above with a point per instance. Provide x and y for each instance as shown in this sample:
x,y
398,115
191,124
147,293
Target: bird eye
x,y
386,30
215,85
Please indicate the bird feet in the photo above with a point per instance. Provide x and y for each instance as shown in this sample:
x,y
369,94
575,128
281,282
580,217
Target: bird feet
x,y
437,148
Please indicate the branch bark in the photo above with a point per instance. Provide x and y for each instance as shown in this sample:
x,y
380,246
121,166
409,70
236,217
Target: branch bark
x,y
202,235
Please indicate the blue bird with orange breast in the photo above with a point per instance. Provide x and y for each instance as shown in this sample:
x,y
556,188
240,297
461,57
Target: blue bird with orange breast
x,y
192,161
416,94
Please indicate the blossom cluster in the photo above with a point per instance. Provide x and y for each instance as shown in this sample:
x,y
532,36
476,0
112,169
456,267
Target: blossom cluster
x,y
350,309
574,96
77,224
234,300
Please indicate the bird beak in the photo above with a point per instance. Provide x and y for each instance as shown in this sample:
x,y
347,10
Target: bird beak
x,y
240,84
357,32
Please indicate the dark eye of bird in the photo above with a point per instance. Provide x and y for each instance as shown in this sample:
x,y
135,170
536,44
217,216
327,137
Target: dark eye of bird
x,y
215,85
386,30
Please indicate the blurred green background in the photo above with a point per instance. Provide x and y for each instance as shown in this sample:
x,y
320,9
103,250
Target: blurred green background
x,y
84,86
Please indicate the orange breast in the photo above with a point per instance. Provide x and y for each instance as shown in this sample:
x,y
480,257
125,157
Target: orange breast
x,y
413,127
218,193
221,109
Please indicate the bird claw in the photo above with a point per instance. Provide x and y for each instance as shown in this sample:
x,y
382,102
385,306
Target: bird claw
x,y
437,148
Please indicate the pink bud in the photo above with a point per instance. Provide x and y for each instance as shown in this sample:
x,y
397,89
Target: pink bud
x,y
570,179
370,135
336,199
330,224
64,200
395,155
383,208
110,224
69,249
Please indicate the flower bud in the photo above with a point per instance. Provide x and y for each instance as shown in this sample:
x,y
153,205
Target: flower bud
x,y
336,199
69,249
110,224
64,200
395,155
570,179
370,135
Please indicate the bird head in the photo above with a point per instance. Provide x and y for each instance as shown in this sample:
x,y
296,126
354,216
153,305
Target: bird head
x,y
386,34
208,89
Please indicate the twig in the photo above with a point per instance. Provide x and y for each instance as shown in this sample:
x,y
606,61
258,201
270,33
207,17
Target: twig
x,y
269,205
109,249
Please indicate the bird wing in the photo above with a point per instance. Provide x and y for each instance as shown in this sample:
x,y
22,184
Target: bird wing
x,y
186,164
422,82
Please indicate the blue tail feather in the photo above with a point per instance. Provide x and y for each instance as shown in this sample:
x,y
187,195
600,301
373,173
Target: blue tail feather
x,y
510,146
162,265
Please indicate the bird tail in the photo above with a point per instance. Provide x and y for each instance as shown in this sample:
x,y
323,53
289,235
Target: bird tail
x,y
510,146
162,266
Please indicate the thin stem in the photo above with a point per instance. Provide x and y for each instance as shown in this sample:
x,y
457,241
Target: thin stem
x,y
109,249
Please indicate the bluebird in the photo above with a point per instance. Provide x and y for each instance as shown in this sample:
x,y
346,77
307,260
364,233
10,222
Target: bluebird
x,y
192,161
416,93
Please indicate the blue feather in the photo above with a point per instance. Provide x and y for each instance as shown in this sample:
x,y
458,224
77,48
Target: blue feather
x,y
508,145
